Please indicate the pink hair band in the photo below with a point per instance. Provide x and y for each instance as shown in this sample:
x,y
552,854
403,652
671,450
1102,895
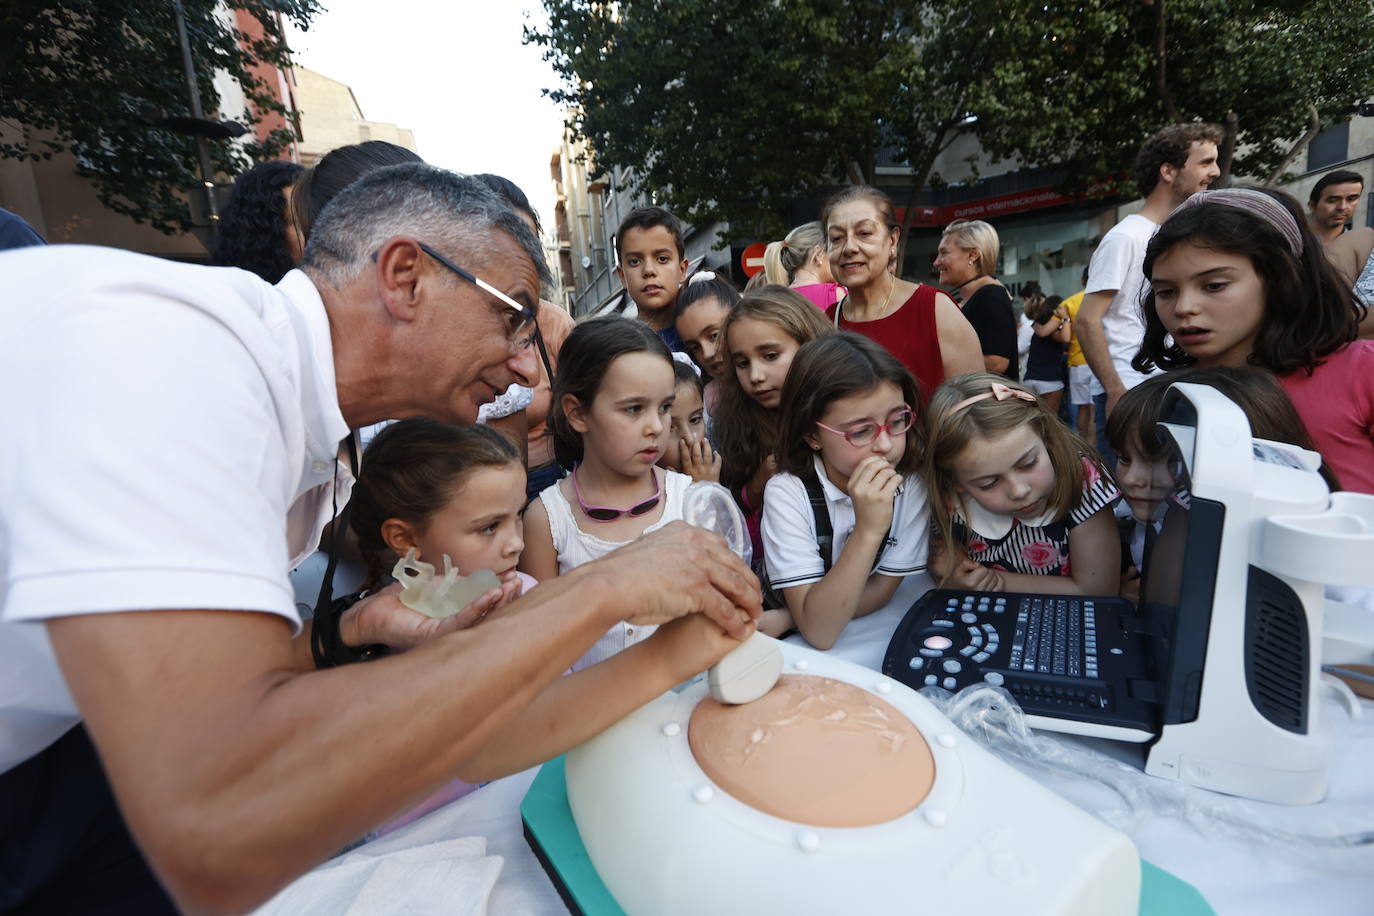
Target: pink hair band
x,y
999,392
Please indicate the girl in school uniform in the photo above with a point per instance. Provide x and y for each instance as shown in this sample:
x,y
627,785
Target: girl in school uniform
x,y
847,457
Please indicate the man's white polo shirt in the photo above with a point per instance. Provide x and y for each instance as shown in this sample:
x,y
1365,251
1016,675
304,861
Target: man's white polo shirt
x,y
171,434
789,530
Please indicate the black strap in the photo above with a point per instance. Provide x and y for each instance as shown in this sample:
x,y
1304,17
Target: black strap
x,y
825,533
326,645
543,353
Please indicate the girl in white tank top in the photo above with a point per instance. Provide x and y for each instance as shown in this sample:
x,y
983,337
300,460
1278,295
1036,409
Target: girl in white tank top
x,y
610,420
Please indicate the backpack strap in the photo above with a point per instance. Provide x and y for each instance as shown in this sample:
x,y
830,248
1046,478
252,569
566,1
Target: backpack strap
x,y
825,533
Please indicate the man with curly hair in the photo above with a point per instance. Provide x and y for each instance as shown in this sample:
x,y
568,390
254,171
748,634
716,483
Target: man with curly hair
x,y
1172,165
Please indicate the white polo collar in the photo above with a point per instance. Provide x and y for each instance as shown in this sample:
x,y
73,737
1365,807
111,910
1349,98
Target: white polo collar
x,y
325,426
833,494
990,524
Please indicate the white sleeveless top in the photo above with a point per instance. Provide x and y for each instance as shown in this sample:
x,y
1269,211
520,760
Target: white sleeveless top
x,y
575,547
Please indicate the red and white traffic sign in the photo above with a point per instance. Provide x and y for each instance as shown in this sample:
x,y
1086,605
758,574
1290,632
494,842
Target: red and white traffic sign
x,y
751,260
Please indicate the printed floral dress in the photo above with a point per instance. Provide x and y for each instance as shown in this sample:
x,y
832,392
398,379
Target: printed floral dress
x,y
1039,547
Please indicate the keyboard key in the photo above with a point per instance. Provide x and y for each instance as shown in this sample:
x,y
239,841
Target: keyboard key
x,y
981,657
952,667
932,680
916,663
966,651
950,683
993,678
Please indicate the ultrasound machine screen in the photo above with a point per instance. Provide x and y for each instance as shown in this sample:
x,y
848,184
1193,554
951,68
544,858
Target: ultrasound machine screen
x,y
1089,665
1181,554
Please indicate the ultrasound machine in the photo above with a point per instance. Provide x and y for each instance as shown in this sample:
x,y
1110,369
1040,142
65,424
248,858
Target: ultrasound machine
x,y
1217,669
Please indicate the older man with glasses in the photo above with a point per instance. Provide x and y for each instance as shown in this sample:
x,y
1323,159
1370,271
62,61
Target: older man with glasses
x,y
173,434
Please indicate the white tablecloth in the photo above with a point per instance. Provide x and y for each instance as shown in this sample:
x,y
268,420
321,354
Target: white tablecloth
x,y
1238,876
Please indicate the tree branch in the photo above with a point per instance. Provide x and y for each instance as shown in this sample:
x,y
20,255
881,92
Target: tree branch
x,y
1230,132
1314,125
1161,60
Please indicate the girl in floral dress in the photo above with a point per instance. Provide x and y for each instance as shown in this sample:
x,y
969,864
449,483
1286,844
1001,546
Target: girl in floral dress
x,y
1019,503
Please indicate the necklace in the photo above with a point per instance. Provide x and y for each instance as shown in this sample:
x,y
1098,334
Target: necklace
x,y
961,286
882,309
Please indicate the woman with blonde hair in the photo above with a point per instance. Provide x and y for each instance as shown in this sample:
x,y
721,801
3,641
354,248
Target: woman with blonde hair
x,y
966,260
917,323
799,261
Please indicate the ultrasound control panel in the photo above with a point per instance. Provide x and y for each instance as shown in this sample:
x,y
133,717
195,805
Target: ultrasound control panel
x,y
1055,654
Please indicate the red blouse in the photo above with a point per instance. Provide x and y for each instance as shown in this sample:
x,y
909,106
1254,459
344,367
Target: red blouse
x,y
909,334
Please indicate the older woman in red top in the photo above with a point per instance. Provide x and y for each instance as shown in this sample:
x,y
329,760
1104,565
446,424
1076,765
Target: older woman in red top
x,y
917,323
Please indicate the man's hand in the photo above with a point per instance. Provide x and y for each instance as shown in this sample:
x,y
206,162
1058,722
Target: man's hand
x,y
873,487
680,570
975,577
691,644
382,618
699,460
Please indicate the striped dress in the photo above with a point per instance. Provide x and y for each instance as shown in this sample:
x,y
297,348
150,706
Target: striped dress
x,y
1039,548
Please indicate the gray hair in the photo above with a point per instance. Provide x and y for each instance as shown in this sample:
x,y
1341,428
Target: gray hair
x,y
457,214
976,235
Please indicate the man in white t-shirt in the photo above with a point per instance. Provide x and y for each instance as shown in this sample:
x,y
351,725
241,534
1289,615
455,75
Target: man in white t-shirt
x,y
1171,166
170,451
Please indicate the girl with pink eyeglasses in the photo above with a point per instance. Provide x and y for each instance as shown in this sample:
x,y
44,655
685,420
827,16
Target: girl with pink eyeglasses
x,y
612,405
844,519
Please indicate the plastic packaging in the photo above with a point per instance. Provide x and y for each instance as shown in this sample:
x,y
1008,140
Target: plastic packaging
x,y
990,716
709,505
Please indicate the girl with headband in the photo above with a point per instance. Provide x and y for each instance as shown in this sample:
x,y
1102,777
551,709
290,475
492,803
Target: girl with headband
x,y
1237,279
1015,494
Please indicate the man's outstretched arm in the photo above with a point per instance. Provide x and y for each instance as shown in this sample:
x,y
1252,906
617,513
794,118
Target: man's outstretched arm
x,y
237,772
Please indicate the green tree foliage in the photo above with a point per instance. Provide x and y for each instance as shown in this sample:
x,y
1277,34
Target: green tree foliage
x,y
729,109
76,74
1085,81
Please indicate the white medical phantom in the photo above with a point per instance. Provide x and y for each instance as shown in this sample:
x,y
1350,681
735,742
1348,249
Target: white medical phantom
x,y
839,791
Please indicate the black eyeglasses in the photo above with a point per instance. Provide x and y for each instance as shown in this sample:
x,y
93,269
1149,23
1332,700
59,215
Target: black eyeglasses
x,y
522,333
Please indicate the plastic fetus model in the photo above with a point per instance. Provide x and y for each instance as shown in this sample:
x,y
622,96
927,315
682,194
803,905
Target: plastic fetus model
x,y
839,791
443,597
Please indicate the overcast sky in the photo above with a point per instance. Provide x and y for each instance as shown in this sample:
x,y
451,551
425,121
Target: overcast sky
x,y
454,73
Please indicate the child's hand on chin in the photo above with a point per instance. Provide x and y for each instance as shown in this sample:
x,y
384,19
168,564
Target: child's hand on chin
x,y
872,487
691,644
699,460
975,577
